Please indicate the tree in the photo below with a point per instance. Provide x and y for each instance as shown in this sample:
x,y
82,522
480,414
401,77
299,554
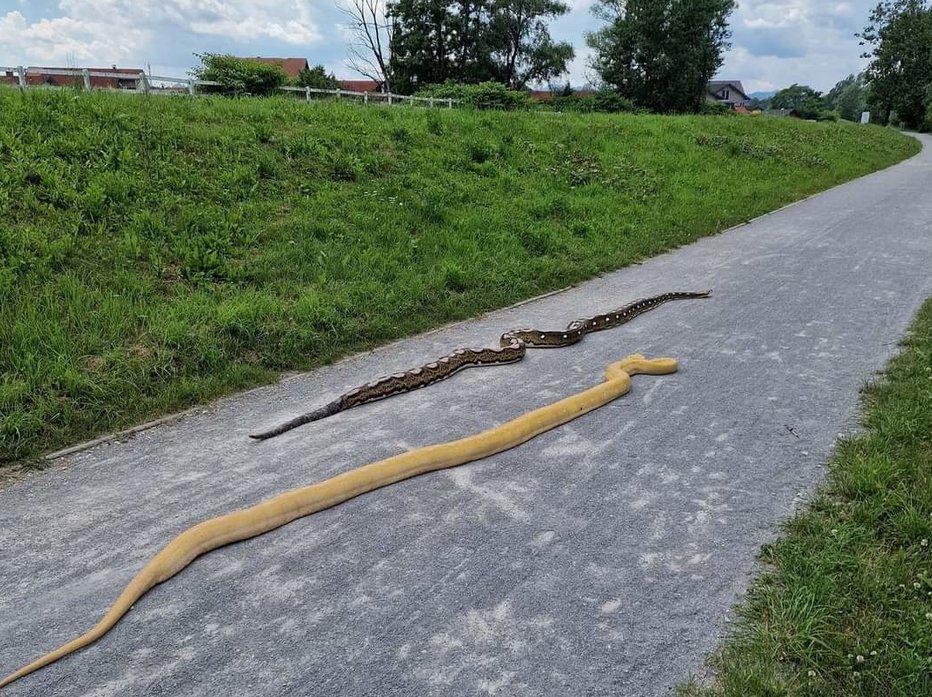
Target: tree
x,y
848,97
423,44
371,32
475,41
661,53
239,75
317,78
899,37
805,101
524,50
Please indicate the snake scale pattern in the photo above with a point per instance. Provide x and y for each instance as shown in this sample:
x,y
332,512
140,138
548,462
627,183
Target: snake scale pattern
x,y
512,347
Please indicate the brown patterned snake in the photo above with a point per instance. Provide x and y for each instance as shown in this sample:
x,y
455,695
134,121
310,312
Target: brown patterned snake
x,y
512,347
291,505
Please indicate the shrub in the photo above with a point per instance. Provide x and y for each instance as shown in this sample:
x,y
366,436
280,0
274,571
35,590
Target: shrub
x,y
604,101
317,78
926,126
239,75
710,108
485,95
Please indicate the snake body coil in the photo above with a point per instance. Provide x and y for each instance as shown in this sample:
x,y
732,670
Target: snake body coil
x,y
512,347
291,505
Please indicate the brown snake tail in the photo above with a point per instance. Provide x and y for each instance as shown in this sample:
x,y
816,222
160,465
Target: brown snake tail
x,y
512,347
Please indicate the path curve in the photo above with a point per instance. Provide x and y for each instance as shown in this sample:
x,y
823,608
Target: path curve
x,y
600,558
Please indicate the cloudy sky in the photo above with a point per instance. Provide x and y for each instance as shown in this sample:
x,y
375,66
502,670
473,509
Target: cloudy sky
x,y
776,42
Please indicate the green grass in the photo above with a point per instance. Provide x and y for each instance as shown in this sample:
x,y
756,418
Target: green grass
x,y
159,252
844,607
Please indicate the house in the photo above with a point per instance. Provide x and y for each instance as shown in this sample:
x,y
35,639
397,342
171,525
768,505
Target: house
x,y
360,86
291,66
730,92
118,79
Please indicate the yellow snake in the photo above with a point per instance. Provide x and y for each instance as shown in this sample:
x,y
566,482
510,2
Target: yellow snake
x,y
297,503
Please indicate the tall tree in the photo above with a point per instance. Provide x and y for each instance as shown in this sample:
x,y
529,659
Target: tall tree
x,y
476,41
805,101
899,37
661,53
369,48
525,51
423,43
848,97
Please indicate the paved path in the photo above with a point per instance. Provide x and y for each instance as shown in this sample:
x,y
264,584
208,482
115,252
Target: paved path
x,y
599,559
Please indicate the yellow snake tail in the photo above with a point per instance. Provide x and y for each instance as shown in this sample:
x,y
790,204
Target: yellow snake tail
x,y
291,505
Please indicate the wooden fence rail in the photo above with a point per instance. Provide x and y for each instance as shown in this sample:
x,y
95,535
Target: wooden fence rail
x,y
144,84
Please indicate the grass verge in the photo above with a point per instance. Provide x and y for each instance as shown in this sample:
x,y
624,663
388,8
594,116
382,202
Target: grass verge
x,y
159,252
844,607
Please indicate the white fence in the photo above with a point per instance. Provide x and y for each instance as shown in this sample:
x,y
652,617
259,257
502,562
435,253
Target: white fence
x,y
158,84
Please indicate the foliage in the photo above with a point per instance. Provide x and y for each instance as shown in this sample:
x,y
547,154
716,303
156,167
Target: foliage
x,y
848,98
317,78
523,50
473,41
239,75
927,124
805,101
844,606
603,101
485,95
899,35
661,54
155,253
710,108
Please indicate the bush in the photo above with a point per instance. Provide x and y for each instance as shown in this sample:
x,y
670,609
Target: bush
x,y
239,75
485,95
710,108
604,101
926,126
317,78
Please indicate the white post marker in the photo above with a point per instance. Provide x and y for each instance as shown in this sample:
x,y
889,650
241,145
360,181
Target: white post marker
x,y
87,79
22,77
865,117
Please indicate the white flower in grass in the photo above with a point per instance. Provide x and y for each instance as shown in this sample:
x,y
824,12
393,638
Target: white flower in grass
x,y
859,658
924,542
811,673
929,615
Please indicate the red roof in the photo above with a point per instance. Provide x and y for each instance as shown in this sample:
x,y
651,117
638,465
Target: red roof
x,y
359,85
124,77
291,66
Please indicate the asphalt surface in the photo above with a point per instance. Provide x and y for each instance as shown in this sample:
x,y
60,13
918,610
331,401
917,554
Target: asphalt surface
x,y
602,558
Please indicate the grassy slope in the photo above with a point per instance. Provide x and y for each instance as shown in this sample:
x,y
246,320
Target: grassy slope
x,y
845,607
158,252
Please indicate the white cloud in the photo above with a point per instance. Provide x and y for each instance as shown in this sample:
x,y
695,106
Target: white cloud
x,y
105,31
65,40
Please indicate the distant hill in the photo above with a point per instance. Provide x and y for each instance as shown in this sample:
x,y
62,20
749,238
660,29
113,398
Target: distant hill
x,y
762,95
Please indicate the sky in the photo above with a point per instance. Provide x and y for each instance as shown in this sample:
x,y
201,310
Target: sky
x,y
776,42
